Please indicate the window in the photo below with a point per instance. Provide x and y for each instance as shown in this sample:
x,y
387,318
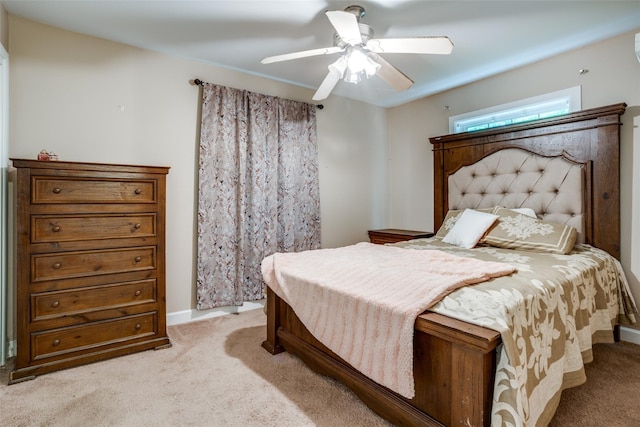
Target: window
x,y
540,107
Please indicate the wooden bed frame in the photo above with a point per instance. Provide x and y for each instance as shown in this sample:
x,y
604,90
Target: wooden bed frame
x,y
454,361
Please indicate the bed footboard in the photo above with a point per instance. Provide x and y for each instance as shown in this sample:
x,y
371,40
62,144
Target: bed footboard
x,y
454,368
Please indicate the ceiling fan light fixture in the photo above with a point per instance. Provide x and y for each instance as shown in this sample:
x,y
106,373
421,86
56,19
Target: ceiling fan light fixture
x,y
359,66
351,77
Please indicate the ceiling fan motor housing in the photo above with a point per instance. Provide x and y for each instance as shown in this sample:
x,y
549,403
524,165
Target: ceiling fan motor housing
x,y
358,11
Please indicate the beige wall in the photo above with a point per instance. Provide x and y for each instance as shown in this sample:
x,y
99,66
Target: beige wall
x,y
4,26
613,77
89,99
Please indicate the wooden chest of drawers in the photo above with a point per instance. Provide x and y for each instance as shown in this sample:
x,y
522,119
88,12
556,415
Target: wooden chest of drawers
x,y
90,263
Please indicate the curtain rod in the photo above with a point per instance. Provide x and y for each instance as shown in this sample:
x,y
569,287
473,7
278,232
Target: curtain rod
x,y
199,82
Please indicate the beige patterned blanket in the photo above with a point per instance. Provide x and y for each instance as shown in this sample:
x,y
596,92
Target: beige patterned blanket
x,y
353,300
549,315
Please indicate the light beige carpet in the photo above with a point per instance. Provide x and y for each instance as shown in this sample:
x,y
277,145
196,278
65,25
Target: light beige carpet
x,y
216,374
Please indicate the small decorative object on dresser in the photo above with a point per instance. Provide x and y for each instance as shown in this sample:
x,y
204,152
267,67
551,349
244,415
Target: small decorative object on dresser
x,y
90,263
393,235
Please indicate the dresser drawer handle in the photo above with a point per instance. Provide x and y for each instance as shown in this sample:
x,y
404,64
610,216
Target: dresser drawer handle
x,y
138,293
138,326
56,266
56,190
55,342
55,304
55,228
136,226
138,259
138,191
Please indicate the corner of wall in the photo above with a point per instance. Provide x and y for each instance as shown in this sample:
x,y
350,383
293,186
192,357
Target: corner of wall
x,y
4,27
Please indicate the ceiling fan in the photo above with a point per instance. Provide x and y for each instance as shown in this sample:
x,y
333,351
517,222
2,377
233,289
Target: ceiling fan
x,y
360,49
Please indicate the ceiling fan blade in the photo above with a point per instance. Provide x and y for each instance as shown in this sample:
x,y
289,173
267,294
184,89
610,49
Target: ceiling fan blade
x,y
326,86
429,45
390,74
346,25
302,54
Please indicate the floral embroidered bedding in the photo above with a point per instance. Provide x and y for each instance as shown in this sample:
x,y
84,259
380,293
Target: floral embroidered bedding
x,y
549,314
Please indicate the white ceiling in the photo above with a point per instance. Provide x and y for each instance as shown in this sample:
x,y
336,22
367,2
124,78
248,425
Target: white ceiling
x,y
489,36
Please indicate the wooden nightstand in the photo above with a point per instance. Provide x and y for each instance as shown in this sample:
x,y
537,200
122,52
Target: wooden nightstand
x,y
393,235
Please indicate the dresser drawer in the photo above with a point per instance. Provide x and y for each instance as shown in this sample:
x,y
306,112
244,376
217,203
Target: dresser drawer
x,y
49,228
70,190
77,338
71,302
91,263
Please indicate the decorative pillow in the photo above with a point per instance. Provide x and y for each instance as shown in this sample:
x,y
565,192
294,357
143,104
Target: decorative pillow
x,y
514,230
453,216
469,228
525,211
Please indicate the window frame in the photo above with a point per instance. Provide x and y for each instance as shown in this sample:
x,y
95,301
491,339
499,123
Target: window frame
x,y
551,104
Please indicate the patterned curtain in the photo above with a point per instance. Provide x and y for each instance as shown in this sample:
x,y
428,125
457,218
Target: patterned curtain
x,y
258,190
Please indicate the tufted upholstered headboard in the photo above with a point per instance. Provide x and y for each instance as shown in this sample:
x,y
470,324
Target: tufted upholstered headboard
x,y
566,169
554,187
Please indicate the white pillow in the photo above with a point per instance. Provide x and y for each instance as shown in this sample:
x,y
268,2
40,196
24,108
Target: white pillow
x,y
525,211
469,228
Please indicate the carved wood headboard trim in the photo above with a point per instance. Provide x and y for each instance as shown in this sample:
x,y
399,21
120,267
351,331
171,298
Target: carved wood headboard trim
x,y
588,136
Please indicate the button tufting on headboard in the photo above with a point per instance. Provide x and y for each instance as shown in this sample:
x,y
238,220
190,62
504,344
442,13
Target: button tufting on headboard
x,y
516,178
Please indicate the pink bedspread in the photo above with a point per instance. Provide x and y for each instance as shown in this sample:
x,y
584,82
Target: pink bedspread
x,y
362,301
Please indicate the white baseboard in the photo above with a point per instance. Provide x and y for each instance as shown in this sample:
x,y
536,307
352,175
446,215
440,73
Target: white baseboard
x,y
185,316
629,335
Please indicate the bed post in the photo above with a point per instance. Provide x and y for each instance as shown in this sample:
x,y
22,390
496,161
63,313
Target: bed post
x,y
272,343
459,361
439,197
